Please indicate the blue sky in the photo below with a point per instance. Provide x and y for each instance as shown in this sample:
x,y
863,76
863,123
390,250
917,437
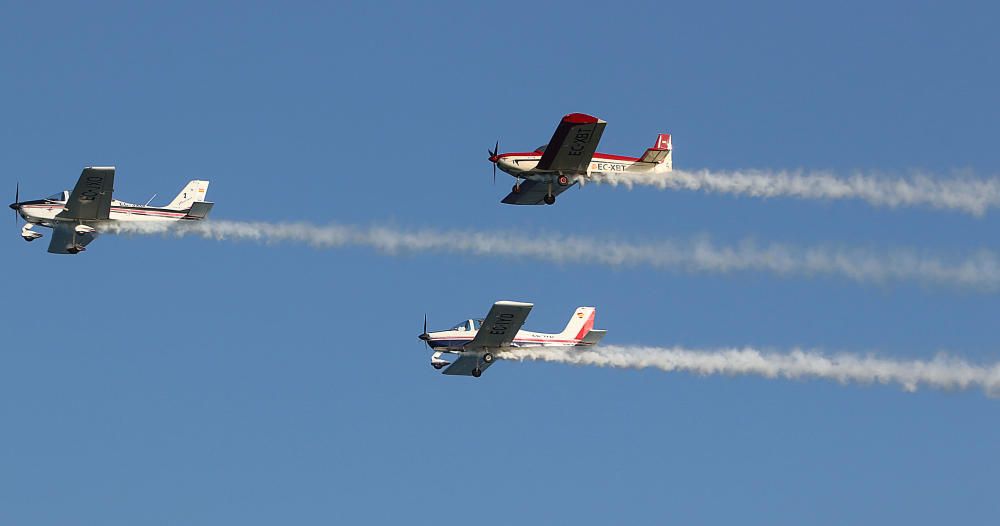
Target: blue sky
x,y
191,381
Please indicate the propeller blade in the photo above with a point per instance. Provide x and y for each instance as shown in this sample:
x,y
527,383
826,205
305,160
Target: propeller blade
x,y
425,324
17,199
496,151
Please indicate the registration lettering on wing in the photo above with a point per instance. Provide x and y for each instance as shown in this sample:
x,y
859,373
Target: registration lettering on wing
x,y
501,323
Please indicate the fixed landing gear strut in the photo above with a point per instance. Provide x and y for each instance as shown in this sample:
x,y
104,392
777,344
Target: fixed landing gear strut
x,y
550,198
28,234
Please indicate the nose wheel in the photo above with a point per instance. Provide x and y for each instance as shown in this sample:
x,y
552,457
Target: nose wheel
x,y
477,372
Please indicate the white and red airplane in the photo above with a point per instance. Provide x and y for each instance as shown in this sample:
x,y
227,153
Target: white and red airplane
x,y
571,156
76,217
477,342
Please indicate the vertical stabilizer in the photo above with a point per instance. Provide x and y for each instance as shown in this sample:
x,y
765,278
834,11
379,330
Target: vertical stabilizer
x,y
580,324
194,191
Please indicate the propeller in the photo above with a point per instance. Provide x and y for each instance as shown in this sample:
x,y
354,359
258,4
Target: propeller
x,y
424,336
17,199
494,153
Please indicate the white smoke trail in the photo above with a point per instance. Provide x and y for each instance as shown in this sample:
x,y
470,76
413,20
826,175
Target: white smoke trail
x,y
965,194
942,372
981,271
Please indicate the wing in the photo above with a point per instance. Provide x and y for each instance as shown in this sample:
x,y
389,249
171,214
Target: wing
x,y
573,144
466,362
533,193
91,197
500,326
65,240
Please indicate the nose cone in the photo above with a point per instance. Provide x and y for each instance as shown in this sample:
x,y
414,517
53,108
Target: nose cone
x,y
424,336
15,206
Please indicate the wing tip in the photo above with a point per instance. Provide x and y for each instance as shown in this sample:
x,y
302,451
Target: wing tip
x,y
580,118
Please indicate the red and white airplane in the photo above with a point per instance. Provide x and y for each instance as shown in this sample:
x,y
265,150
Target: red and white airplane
x,y
571,156
75,217
477,342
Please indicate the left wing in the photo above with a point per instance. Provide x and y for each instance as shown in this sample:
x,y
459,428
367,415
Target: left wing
x,y
91,197
533,193
466,362
500,326
65,240
573,144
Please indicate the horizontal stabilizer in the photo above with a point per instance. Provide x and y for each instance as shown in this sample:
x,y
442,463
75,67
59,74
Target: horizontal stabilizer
x,y
593,337
199,210
660,152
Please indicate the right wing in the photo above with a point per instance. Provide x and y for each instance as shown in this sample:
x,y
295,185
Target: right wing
x,y
573,144
64,238
533,193
500,326
91,197
466,362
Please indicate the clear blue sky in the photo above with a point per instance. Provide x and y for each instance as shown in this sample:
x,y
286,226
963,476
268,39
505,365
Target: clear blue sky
x,y
153,381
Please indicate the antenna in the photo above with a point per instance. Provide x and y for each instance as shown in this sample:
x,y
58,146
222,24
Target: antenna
x,y
150,200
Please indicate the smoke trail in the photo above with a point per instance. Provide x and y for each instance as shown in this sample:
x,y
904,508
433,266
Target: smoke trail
x,y
980,271
942,372
965,194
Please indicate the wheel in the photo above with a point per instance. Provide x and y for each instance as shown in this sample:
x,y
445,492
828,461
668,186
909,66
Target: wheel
x,y
477,372
437,365
563,180
488,358
550,199
516,189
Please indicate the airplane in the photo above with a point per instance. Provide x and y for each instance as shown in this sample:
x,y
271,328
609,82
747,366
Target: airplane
x,y
75,217
478,341
571,157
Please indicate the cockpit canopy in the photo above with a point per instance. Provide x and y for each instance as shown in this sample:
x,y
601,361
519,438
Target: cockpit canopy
x,y
61,196
468,325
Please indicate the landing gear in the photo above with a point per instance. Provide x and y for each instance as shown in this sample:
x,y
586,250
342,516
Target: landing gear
x,y
28,234
477,372
550,198
488,358
437,362
516,189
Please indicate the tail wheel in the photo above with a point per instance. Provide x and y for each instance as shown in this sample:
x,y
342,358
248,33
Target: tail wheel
x,y
488,358
563,180
477,372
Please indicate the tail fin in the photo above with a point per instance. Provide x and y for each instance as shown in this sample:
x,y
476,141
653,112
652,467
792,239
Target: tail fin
x,y
194,191
580,323
661,153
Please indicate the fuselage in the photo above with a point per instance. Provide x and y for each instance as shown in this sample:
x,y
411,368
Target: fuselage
x,y
44,212
454,340
523,165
